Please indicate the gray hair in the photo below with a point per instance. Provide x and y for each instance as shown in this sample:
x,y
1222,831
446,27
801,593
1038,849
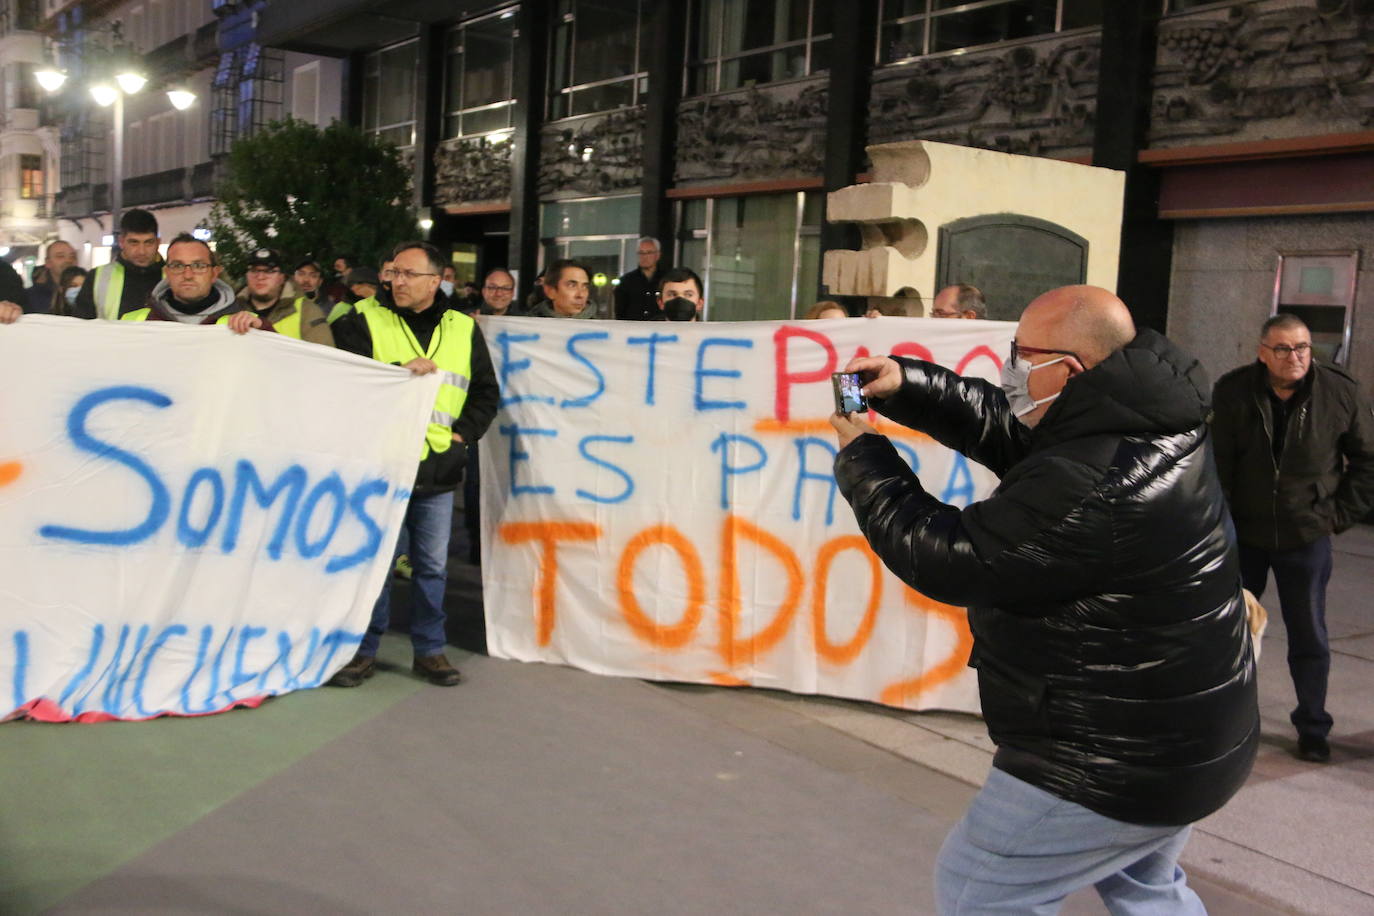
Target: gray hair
x,y
1283,321
652,241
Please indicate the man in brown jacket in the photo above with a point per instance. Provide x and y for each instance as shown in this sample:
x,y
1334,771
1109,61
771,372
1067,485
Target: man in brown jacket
x,y
300,318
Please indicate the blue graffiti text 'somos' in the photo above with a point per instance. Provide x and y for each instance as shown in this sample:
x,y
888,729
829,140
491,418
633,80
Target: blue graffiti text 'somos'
x,y
311,516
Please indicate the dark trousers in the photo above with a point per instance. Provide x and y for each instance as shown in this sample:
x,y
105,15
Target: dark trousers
x,y
1301,575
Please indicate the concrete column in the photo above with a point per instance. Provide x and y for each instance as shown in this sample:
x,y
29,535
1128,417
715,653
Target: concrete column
x,y
1121,127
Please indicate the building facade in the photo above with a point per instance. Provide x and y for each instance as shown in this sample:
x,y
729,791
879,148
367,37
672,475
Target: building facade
x,y
550,128
28,142
170,156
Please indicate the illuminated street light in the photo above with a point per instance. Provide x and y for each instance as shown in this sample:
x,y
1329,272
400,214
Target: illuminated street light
x,y
104,94
180,98
114,56
50,78
130,81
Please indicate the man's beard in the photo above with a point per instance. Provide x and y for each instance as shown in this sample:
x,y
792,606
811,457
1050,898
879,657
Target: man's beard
x,y
259,299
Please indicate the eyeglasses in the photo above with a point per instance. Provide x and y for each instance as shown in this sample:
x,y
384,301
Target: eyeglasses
x,y
262,271
499,289
409,275
1283,351
195,267
1017,349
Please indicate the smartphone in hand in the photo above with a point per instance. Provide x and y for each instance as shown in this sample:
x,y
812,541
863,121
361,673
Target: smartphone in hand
x,y
849,397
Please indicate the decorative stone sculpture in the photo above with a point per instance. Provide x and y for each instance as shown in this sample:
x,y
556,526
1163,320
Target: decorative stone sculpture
x,y
919,187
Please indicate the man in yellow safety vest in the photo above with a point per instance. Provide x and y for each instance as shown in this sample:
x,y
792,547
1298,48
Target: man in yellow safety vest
x,y
125,283
416,326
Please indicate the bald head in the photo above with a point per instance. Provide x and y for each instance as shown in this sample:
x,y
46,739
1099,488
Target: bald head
x,y
1088,320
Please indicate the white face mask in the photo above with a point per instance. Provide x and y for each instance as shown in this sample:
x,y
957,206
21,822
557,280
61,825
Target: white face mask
x,y
1016,384
71,293
446,286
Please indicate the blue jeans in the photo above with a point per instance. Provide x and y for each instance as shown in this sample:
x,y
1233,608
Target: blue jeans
x,y
1021,850
428,521
1301,575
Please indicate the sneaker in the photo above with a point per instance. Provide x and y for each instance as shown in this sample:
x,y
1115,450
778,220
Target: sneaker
x,y
359,668
1313,749
403,567
437,670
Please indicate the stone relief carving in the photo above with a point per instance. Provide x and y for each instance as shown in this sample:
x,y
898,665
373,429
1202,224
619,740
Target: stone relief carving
x,y
1265,70
776,132
593,155
471,170
1030,99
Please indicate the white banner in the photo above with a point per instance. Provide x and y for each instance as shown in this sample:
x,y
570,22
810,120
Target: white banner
x,y
190,520
658,501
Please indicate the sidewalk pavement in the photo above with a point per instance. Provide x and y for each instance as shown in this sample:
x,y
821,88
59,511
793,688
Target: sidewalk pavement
x,y
538,789
1299,837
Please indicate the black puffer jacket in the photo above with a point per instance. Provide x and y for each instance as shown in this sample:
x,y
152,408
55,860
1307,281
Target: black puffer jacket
x,y
1114,661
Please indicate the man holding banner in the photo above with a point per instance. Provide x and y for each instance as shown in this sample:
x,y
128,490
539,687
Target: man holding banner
x,y
1114,665
420,328
125,283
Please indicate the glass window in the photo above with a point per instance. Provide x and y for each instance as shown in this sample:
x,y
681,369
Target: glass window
x,y
26,91
912,28
751,42
479,95
607,216
389,93
30,177
597,61
759,256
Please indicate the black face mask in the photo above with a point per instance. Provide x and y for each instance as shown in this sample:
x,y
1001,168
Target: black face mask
x,y
680,309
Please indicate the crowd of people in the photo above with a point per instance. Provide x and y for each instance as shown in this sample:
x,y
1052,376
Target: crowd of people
x,y
1103,576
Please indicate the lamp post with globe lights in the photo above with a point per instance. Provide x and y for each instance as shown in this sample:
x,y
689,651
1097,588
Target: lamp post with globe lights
x,y
114,73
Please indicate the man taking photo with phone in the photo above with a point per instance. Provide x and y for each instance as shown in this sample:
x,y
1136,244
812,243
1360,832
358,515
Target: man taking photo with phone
x,y
1114,665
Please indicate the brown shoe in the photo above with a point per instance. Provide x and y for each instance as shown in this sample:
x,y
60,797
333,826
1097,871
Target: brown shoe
x,y
437,670
359,668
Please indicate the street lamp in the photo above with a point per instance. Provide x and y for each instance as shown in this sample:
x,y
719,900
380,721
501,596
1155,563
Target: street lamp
x,y
119,59
50,78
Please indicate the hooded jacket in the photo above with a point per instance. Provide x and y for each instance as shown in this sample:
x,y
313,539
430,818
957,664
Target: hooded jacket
x,y
1323,481
1114,661
221,303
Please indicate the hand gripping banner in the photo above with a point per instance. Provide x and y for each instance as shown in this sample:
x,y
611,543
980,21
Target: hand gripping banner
x,y
658,501
190,520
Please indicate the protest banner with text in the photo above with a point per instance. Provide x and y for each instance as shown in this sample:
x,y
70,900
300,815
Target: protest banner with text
x,y
658,501
190,520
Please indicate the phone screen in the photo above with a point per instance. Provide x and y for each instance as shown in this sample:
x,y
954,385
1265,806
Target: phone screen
x,y
849,396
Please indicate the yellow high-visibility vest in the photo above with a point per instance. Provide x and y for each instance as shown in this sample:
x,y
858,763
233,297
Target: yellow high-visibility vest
x,y
109,289
143,313
450,348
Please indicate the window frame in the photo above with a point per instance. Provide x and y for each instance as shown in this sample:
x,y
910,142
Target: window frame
x,y
717,62
638,80
507,13
801,231
931,14
29,188
378,130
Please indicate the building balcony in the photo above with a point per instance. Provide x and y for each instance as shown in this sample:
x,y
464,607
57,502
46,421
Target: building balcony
x,y
205,45
80,200
156,188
